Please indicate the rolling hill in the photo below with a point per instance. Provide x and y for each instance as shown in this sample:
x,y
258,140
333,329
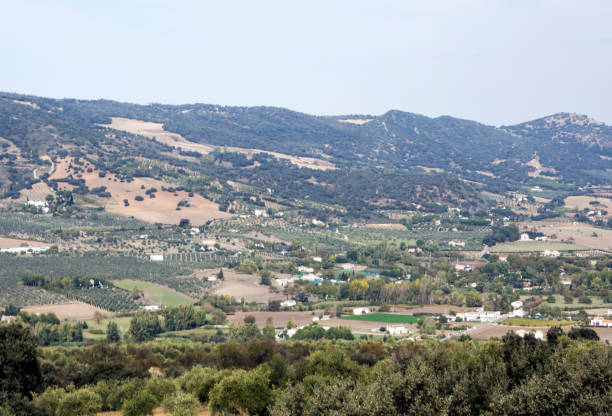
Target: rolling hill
x,y
370,162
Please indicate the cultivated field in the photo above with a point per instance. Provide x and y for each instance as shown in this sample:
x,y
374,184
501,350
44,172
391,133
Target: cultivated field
x,y
72,310
497,331
245,286
386,226
582,234
160,209
581,202
148,129
280,319
532,246
535,322
389,318
15,242
38,193
154,293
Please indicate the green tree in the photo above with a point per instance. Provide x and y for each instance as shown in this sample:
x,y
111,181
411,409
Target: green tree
x,y
141,404
144,326
80,402
242,392
19,367
112,332
182,404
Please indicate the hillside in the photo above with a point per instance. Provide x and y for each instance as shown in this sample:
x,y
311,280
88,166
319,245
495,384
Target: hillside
x,y
360,163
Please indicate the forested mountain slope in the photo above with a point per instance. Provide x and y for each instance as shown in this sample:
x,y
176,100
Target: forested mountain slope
x,y
394,147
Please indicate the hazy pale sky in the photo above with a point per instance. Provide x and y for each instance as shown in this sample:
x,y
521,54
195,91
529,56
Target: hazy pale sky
x,y
498,62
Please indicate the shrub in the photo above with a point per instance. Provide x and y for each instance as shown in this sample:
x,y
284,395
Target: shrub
x,y
81,402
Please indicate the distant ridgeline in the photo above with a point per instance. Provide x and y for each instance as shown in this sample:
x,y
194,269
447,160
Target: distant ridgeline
x,y
390,161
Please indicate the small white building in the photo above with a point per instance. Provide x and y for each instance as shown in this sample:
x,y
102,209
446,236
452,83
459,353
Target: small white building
x,y
304,269
194,231
525,237
551,253
456,243
348,266
541,238
260,213
517,304
156,257
361,311
397,330
212,278
517,313
317,259
288,303
151,308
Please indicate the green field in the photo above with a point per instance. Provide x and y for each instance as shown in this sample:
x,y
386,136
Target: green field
x,y
534,322
123,323
159,295
528,246
389,318
597,302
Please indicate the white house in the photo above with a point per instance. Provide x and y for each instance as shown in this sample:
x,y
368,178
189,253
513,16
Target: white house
x,y
517,313
317,259
551,253
260,213
517,304
194,231
397,330
456,243
151,307
156,257
600,321
525,237
541,238
361,311
304,269
288,303
41,205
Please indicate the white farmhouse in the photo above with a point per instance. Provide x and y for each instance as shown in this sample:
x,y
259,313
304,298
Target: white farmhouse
x,y
288,303
156,257
397,330
361,311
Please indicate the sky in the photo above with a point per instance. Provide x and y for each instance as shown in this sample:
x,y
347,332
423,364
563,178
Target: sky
x,y
497,62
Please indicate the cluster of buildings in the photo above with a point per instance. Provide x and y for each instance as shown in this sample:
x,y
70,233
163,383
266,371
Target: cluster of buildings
x,y
23,250
42,206
601,321
479,315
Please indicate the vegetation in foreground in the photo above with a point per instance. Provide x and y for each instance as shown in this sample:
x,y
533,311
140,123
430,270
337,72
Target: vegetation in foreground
x,y
563,375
